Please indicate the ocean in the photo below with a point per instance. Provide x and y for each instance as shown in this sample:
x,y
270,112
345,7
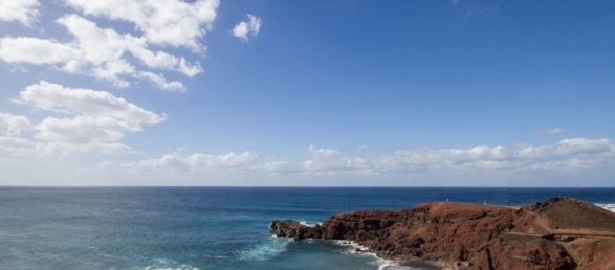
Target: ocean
x,y
209,227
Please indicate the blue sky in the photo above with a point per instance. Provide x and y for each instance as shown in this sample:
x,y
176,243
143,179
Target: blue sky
x,y
466,92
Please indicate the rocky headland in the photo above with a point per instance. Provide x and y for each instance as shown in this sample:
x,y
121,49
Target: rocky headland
x,y
561,233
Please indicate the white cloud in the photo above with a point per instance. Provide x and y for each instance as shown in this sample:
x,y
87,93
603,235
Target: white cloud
x,y
66,148
249,28
162,60
101,45
98,52
12,129
23,11
36,51
161,81
105,50
553,131
13,125
163,22
75,101
15,146
79,121
564,156
193,163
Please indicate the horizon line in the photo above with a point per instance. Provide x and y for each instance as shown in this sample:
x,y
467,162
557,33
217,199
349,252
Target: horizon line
x,y
278,186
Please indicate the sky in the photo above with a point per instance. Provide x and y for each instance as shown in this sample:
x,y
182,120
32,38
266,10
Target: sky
x,y
307,93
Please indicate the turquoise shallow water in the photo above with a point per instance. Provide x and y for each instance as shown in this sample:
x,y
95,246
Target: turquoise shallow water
x,y
207,227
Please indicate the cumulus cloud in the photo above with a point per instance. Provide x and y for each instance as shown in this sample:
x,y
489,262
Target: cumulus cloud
x,y
23,11
36,51
15,146
563,156
197,162
13,125
172,22
78,121
98,52
105,54
249,28
76,101
161,81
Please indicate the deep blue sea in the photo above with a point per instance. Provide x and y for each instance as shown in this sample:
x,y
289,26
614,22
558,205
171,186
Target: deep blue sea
x,y
207,227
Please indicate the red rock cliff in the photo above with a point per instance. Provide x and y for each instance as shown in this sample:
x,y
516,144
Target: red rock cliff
x,y
557,234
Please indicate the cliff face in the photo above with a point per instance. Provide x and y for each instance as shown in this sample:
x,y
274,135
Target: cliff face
x,y
557,234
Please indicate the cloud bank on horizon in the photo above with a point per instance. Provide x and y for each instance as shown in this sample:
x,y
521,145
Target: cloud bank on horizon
x,y
565,155
162,44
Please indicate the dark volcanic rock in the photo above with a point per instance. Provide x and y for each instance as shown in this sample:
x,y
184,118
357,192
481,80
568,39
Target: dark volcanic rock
x,y
293,229
546,235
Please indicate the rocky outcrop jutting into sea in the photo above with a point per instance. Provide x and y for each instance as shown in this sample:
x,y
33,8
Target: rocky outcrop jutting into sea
x,y
561,233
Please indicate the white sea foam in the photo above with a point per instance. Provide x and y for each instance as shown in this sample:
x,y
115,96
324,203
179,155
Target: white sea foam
x,y
309,223
383,264
268,249
352,247
395,266
356,249
167,264
607,206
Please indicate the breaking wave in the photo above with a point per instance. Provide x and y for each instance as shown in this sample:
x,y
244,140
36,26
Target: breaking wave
x,y
309,223
383,264
268,249
168,264
607,206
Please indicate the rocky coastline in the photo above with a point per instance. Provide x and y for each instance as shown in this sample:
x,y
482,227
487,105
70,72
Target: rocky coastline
x,y
560,233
